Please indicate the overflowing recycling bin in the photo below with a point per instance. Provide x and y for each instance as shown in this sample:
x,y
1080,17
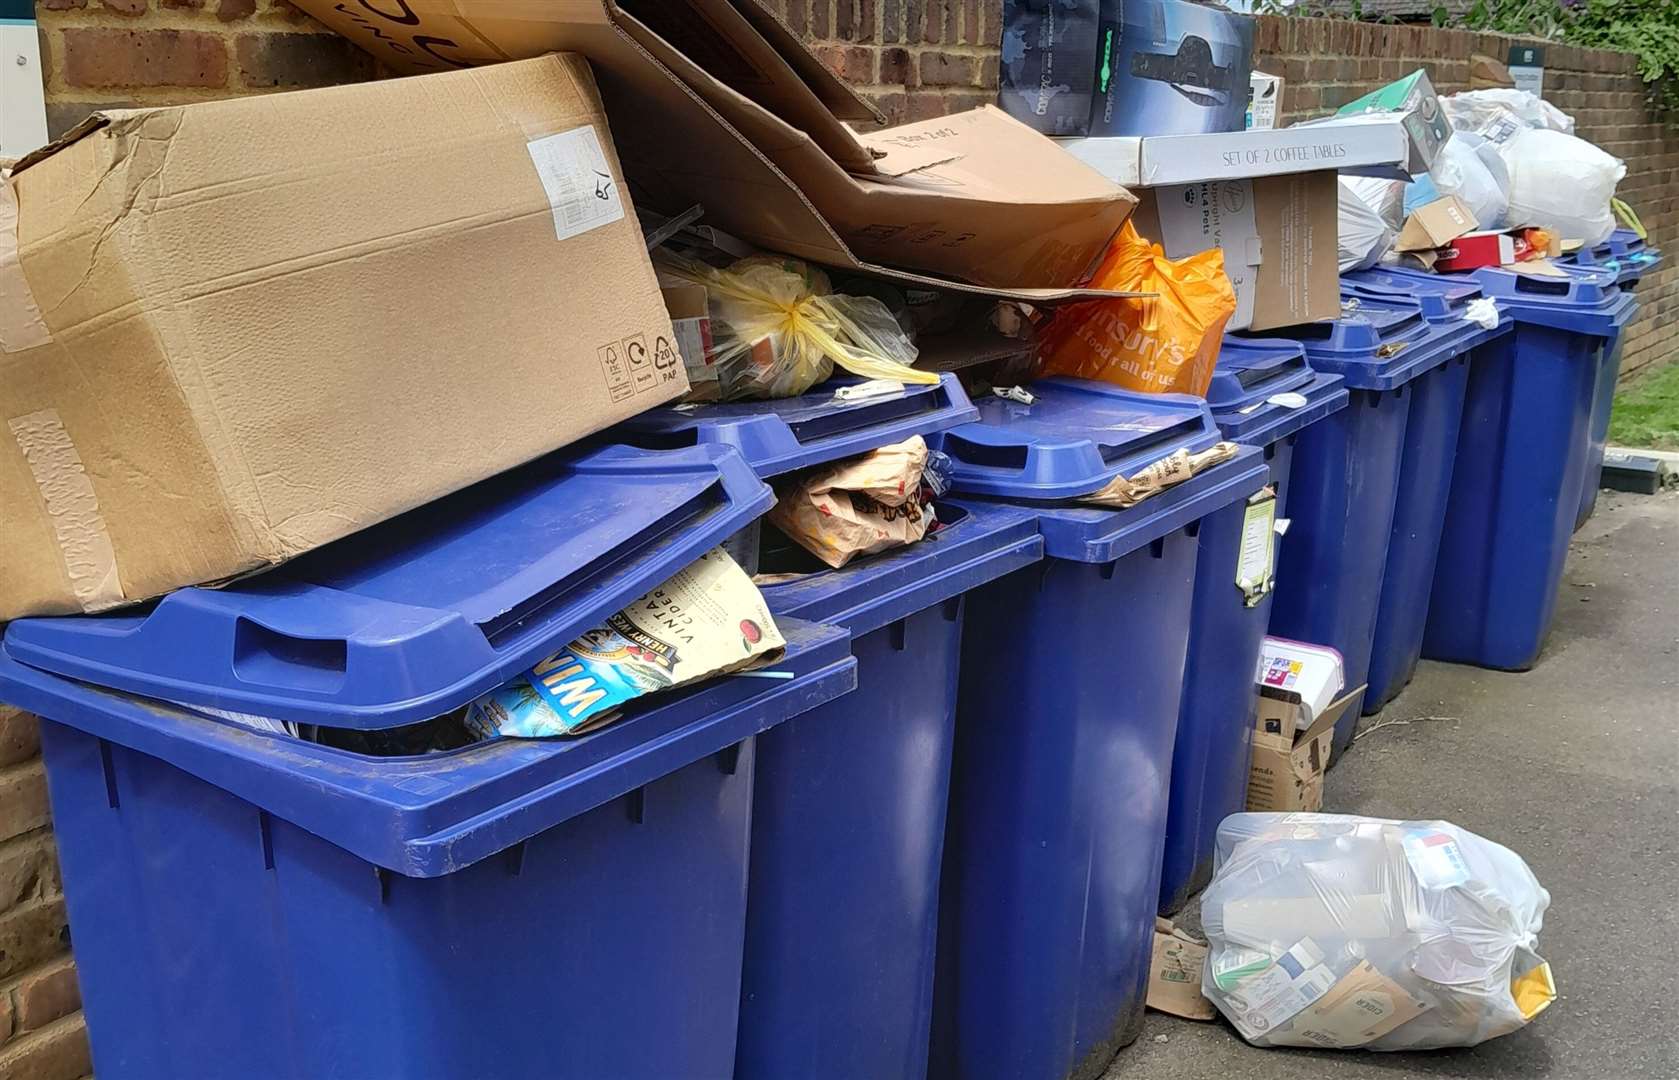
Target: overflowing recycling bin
x,y
1521,458
1631,257
354,891
1346,475
849,816
1425,477
1071,680
1263,395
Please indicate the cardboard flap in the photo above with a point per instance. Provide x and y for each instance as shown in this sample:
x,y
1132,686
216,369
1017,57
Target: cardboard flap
x,y
88,125
834,92
1325,723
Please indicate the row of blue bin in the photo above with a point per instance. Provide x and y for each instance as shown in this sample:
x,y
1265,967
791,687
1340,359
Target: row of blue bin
x,y
934,845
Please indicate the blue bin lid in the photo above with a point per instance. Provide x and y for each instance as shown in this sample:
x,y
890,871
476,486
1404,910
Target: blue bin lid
x,y
1584,300
1075,437
979,542
436,814
785,434
1441,297
1252,371
1378,343
423,613
1625,252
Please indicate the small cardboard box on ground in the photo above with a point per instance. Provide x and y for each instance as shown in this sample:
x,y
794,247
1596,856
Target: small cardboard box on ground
x,y
1297,685
237,330
719,103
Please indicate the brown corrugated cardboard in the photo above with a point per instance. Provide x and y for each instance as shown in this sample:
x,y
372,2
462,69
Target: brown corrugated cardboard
x,y
1435,224
1016,216
1174,977
1288,764
1278,234
265,323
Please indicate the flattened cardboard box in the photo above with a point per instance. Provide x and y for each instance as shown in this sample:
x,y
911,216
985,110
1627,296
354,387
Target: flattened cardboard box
x,y
714,117
265,323
1288,764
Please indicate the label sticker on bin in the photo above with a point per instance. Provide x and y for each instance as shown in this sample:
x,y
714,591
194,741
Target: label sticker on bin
x,y
423,613
786,434
1253,561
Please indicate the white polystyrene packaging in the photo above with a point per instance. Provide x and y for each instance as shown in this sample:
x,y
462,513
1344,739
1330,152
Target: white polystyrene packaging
x,y
1472,168
1363,237
1562,183
1335,931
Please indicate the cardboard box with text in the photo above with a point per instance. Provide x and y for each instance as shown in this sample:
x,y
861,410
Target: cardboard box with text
x,y
249,327
1288,764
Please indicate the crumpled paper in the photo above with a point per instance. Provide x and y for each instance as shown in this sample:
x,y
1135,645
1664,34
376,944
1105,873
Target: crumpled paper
x,y
858,507
1483,313
1124,492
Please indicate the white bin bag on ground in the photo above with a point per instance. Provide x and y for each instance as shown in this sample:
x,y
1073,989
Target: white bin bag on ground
x,y
1333,931
1563,183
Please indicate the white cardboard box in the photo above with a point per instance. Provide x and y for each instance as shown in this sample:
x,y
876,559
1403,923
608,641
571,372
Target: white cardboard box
x,y
1373,146
1265,98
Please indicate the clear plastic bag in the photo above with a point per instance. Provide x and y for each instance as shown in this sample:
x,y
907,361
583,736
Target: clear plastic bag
x,y
1475,110
1471,168
777,329
1335,931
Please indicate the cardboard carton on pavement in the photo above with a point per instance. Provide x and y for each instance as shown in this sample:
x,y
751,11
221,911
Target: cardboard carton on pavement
x,y
246,328
978,198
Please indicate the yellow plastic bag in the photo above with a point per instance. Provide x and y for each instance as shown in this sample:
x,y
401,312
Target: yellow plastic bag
x,y
1161,344
777,330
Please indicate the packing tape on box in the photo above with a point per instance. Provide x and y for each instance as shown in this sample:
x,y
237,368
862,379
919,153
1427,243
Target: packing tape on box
x,y
90,562
21,325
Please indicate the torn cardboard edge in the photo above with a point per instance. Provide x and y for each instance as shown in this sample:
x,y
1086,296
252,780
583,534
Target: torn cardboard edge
x,y
745,189
1436,224
1174,978
1286,774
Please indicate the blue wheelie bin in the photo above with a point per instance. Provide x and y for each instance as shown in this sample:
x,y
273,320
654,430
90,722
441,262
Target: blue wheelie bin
x,y
1346,476
1626,253
253,904
1425,473
849,815
1521,458
1070,685
1262,395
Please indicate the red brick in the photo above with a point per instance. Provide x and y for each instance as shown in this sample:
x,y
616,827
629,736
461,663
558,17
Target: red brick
x,y
111,58
130,8
940,21
845,20
945,69
970,24
798,16
28,869
892,105
924,105
988,72
58,1051
31,934
47,994
23,800
294,60
821,19
20,733
234,10
897,66
61,5
892,21
853,63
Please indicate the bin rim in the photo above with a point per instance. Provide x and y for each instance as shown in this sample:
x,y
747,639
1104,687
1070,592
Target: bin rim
x,y
437,814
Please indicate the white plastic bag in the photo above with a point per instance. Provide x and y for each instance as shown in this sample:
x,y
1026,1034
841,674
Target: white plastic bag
x,y
1364,237
1386,197
1334,931
1562,183
1474,110
1472,168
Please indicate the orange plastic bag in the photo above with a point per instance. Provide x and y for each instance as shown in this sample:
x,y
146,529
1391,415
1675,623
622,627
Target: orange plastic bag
x,y
1162,344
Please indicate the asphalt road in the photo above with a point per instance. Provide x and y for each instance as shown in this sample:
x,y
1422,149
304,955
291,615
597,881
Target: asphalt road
x,y
1575,765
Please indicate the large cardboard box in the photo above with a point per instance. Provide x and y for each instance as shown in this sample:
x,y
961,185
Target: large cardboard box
x,y
1375,145
240,329
713,115
1278,235
1286,775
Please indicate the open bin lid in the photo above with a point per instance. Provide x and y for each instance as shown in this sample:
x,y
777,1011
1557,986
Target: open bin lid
x,y
1250,373
436,814
1584,301
1072,440
1378,343
785,434
424,612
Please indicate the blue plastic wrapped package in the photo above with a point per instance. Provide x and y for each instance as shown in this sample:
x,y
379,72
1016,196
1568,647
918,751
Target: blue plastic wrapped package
x,y
707,619
1339,932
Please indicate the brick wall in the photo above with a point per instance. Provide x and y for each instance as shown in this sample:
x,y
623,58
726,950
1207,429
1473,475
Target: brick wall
x,y
914,58
41,1032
